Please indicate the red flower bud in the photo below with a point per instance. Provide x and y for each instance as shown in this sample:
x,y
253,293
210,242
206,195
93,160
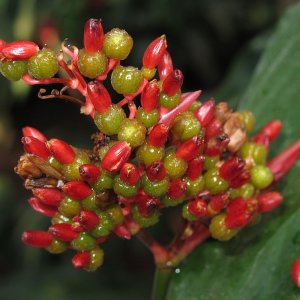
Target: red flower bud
x,y
155,52
213,128
130,174
205,112
116,157
268,133
295,272
89,172
195,167
63,231
281,163
268,201
147,205
198,208
172,83
122,232
2,45
190,149
77,190
61,151
177,188
158,135
93,36
81,260
150,96
237,214
87,219
240,180
35,146
232,168
37,238
219,202
20,50
165,66
99,96
156,171
49,196
42,208
30,131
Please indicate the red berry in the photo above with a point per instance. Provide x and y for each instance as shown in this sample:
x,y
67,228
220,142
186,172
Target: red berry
x,y
63,231
268,133
177,187
158,135
190,149
165,66
61,151
20,50
295,272
42,208
30,131
99,96
154,52
37,238
87,219
129,174
89,172
35,146
49,196
172,83
205,112
150,96
77,190
81,260
156,171
195,167
232,168
269,200
198,208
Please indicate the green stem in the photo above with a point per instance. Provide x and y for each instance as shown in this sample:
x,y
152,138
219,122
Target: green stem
x,y
161,283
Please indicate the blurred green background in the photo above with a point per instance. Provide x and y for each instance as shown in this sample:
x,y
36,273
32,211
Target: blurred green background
x,y
216,44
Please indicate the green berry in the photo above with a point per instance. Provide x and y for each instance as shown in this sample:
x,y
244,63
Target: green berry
x,y
97,256
261,176
117,44
91,65
186,126
71,171
60,218
210,162
104,182
174,165
218,229
110,121
43,65
246,191
116,214
126,80
89,203
169,101
187,215
69,207
147,154
149,119
84,242
214,183
13,69
194,187
133,132
155,188
148,73
105,225
55,163
195,105
248,120
255,151
145,221
123,189
168,201
57,247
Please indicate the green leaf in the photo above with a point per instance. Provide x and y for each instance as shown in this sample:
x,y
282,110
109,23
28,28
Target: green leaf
x,y
256,264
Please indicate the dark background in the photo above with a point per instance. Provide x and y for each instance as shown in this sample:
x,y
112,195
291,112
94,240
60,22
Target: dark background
x,y
215,43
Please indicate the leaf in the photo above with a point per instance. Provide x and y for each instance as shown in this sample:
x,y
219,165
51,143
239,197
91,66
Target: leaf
x,y
256,264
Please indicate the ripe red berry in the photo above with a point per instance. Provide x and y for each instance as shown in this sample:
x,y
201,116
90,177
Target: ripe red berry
x,y
30,131
165,66
130,174
198,207
37,238
172,83
156,171
49,196
89,172
205,112
93,36
81,259
99,96
158,135
61,151
63,231
150,96
269,200
195,167
77,190
35,146
20,50
42,208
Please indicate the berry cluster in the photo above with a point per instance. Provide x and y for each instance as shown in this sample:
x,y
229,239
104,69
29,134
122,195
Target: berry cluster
x,y
171,151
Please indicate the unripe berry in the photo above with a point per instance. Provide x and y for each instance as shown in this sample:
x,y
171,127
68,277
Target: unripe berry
x,y
146,154
43,65
124,189
13,69
117,44
261,176
174,165
214,183
92,64
169,101
149,119
84,242
126,80
145,221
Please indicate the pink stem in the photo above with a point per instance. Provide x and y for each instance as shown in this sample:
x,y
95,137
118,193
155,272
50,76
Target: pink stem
x,y
282,163
132,109
187,101
29,80
112,63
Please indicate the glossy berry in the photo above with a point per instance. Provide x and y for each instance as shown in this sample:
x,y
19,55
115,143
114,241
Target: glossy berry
x,y
117,44
194,187
84,242
130,174
93,36
43,64
133,132
174,165
155,188
261,176
156,171
126,80
147,118
37,238
69,207
172,83
147,154
105,225
256,152
187,214
218,229
71,171
214,183
57,247
169,101
123,189
145,221
248,120
110,121
116,214
99,96
150,96
92,64
13,69
104,182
